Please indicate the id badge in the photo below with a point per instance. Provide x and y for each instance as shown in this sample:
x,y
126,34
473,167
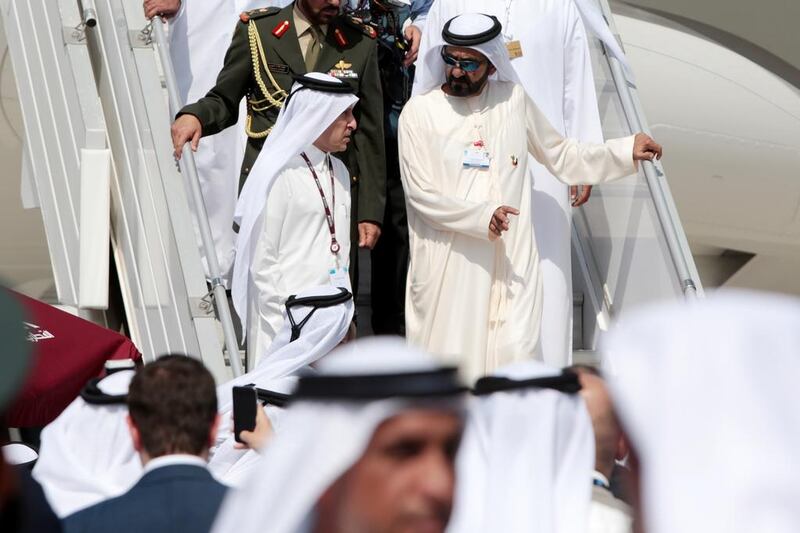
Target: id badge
x,y
514,49
476,157
340,277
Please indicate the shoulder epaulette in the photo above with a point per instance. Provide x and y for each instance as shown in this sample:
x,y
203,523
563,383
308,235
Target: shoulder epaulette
x,y
247,16
359,24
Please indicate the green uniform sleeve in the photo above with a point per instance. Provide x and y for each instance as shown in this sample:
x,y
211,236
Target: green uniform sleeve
x,y
370,148
219,108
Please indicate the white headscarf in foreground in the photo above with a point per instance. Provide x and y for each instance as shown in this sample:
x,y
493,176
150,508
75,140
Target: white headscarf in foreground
x,y
278,371
86,454
301,121
431,73
526,460
321,440
707,392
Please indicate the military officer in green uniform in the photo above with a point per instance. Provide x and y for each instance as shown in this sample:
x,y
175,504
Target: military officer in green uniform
x,y
269,47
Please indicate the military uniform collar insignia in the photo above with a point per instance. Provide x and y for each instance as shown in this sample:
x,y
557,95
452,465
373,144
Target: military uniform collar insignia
x,y
279,30
341,40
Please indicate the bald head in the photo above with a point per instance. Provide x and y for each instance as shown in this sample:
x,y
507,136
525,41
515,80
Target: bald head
x,y
610,442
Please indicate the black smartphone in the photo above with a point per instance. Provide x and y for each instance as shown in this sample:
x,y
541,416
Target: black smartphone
x,y
245,403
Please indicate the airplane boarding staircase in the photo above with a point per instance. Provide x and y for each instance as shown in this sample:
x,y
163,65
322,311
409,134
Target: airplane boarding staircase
x,y
98,142
97,93
628,244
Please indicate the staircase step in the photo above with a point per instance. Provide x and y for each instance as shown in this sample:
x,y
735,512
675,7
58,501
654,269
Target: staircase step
x,y
586,357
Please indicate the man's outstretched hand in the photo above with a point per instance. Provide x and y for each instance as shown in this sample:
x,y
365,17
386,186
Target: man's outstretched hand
x,y
645,148
186,128
165,8
500,221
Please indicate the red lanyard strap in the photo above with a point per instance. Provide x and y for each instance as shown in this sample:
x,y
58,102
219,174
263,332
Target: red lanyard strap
x,y
335,247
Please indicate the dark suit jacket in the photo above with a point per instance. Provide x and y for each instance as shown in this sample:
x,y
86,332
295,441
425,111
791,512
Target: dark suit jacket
x,y
170,499
356,52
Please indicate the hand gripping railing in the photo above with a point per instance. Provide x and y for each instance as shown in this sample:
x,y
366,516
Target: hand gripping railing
x,y
188,165
678,248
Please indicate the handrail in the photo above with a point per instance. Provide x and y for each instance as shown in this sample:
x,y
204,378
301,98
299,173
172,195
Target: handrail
x,y
201,215
676,247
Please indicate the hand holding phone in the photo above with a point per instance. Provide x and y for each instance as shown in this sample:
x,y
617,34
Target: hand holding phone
x,y
245,403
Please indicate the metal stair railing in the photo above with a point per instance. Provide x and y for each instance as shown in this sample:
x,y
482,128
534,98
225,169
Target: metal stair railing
x,y
629,246
201,216
656,179
167,301
95,117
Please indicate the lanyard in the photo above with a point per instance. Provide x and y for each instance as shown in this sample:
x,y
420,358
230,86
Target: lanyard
x,y
507,35
335,247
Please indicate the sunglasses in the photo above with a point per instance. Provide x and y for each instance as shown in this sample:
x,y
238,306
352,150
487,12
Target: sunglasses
x,y
467,65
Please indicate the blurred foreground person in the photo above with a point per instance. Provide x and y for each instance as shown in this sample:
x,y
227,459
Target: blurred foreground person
x,y
294,210
474,291
23,507
608,514
368,445
317,321
86,454
707,394
173,421
526,458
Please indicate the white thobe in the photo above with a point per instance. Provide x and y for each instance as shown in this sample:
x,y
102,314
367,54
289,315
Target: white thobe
x,y
293,251
200,34
608,514
470,300
556,72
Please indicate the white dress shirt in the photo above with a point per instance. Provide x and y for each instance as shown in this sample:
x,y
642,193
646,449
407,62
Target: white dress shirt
x,y
172,460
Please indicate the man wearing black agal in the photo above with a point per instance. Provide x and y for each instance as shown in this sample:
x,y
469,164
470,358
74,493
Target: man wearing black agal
x,y
270,47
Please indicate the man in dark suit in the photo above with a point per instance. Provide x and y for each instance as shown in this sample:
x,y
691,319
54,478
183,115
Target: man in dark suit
x,y
270,47
173,420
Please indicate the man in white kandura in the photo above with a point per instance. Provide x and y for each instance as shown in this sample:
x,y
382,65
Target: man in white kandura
x,y
474,289
294,209
608,514
548,47
317,321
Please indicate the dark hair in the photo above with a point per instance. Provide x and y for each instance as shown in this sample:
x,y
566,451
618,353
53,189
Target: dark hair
x,y
173,403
